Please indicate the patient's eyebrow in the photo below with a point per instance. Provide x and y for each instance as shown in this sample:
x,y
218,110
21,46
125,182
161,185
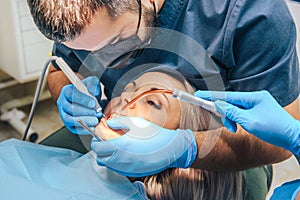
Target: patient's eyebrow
x,y
162,94
133,86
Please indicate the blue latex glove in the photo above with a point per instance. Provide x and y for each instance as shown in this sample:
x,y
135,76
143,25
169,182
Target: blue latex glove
x,y
74,105
287,191
259,114
146,148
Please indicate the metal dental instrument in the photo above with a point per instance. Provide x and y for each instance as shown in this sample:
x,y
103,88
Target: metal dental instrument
x,y
89,130
186,97
75,80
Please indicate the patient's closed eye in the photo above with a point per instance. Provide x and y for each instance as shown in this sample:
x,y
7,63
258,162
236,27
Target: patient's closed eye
x,y
154,104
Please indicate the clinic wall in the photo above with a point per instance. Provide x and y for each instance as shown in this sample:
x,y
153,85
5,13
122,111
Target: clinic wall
x,y
16,91
23,49
3,76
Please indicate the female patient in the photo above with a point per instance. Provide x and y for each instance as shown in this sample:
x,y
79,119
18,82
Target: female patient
x,y
168,112
34,171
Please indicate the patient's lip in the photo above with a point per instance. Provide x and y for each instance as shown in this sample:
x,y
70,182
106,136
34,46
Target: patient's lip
x,y
111,116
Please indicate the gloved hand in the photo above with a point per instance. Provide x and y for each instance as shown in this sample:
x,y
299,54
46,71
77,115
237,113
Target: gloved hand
x,y
288,190
74,105
259,114
146,148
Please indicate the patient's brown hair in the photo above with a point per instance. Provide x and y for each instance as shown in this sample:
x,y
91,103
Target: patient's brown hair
x,y
195,184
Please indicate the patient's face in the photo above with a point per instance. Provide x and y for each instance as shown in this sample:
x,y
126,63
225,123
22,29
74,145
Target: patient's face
x,y
161,109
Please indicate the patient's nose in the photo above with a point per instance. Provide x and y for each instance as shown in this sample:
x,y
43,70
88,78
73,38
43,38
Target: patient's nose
x,y
126,97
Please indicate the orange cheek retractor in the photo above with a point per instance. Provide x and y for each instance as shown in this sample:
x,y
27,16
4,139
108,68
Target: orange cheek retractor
x,y
153,91
134,100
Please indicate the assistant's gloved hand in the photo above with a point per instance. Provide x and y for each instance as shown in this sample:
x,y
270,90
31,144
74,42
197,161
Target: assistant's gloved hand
x,y
146,148
74,105
259,114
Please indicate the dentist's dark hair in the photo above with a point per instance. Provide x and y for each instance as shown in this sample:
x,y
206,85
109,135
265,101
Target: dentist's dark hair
x,y
64,20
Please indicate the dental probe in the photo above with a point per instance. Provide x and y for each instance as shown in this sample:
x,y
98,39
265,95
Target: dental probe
x,y
186,97
90,130
75,80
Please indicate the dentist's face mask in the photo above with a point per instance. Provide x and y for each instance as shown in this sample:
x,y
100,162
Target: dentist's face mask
x,y
120,54
124,52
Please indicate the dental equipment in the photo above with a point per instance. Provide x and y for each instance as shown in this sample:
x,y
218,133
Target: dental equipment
x,y
36,96
186,97
90,130
75,80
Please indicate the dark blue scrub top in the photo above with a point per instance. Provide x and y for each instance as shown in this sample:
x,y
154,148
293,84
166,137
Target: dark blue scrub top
x,y
251,42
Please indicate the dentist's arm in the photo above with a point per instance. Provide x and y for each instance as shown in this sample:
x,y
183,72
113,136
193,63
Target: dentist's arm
x,y
259,114
56,81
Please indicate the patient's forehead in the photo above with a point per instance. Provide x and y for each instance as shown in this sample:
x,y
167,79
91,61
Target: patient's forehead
x,y
159,80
